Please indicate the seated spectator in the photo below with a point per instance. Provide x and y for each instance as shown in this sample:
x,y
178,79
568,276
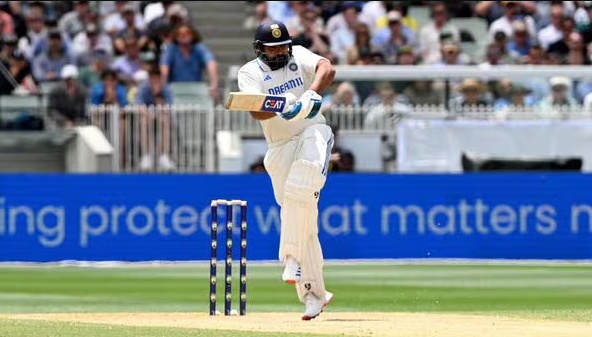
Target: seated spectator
x,y
388,113
259,16
504,23
127,64
87,41
494,10
584,21
341,30
423,93
154,98
47,66
429,35
388,40
520,41
91,74
67,102
554,31
295,24
341,159
74,22
362,42
561,47
19,78
470,98
108,91
129,30
312,38
344,96
561,98
518,101
115,22
187,57
9,45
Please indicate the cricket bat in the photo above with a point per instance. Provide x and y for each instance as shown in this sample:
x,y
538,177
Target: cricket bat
x,y
242,101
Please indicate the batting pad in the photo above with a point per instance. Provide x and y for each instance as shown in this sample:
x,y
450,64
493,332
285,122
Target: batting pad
x,y
299,228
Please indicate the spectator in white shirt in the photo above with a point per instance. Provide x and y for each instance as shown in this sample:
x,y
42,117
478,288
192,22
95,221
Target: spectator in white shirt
x,y
504,23
553,32
115,22
429,35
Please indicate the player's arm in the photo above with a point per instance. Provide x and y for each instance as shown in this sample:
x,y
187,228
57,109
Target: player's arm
x,y
324,76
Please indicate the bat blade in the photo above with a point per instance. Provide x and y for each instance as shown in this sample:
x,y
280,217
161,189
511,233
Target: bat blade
x,y
241,101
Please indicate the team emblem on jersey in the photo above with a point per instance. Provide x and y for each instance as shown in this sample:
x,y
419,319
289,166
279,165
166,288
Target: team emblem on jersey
x,y
293,66
273,104
276,33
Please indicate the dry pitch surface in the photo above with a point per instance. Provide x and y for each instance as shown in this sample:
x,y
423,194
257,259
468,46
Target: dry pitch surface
x,y
340,323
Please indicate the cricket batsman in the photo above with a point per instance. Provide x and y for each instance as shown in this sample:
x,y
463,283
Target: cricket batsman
x,y
299,146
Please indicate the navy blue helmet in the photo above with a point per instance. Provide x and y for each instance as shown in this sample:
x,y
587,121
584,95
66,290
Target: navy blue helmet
x,y
272,33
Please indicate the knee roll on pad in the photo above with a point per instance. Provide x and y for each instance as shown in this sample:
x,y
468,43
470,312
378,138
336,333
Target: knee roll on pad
x,y
304,182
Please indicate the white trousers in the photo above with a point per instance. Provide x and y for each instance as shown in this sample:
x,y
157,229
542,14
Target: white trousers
x,y
314,146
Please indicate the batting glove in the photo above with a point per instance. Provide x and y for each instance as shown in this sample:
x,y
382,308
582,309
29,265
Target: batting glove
x,y
307,106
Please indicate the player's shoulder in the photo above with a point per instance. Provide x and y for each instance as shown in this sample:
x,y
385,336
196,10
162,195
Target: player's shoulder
x,y
249,67
300,50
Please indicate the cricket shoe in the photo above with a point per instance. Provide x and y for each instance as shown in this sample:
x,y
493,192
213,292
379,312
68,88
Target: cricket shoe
x,y
314,305
292,271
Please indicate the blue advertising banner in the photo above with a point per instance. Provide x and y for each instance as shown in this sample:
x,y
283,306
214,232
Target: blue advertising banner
x,y
167,217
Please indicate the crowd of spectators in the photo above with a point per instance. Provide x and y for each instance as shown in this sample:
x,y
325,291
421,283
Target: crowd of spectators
x,y
99,52
386,33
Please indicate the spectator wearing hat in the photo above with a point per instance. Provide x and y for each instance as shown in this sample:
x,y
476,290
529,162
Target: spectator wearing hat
x,y
67,102
518,100
74,21
86,42
471,97
429,34
389,41
47,66
116,22
19,76
504,23
395,27
520,42
185,59
129,30
561,98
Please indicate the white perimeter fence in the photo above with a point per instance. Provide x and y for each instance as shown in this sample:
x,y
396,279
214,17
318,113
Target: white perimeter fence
x,y
187,134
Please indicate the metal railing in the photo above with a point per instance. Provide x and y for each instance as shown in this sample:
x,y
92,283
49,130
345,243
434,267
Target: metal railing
x,y
186,134
158,138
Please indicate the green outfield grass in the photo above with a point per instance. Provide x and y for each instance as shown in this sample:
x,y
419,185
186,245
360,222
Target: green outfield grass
x,y
558,292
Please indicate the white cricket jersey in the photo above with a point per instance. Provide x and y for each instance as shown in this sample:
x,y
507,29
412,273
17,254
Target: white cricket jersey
x,y
296,78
